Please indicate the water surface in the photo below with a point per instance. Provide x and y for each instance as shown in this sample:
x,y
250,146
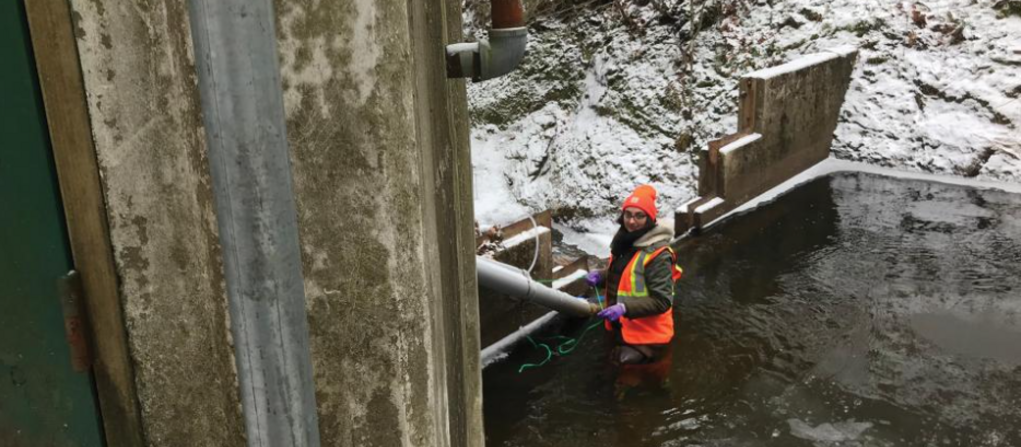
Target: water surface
x,y
856,310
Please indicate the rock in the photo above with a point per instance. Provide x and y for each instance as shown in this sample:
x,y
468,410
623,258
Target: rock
x,y
1008,8
683,142
911,40
918,18
791,22
957,35
811,15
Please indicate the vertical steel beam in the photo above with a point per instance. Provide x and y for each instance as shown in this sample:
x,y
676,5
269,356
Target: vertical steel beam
x,y
243,112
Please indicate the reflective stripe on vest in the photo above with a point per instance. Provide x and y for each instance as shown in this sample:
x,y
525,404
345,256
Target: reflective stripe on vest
x,y
654,329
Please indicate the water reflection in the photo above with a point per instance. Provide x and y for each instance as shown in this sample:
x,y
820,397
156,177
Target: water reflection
x,y
855,310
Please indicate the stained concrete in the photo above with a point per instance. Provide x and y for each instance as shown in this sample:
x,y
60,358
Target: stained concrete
x,y
145,116
786,120
380,158
382,177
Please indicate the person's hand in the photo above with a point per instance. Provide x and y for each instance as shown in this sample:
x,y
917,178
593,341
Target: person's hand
x,y
594,278
612,313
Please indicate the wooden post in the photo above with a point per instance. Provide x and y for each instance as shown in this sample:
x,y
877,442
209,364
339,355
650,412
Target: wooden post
x,y
60,79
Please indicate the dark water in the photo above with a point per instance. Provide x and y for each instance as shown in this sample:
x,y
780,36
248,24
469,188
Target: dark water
x,y
857,310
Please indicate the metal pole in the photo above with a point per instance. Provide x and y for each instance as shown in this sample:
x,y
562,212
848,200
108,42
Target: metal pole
x,y
515,282
242,106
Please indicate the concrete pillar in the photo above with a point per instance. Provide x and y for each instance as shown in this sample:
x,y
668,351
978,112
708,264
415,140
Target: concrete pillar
x,y
380,153
382,177
143,103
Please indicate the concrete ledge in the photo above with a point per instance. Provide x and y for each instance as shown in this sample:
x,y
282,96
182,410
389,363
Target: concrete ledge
x,y
787,116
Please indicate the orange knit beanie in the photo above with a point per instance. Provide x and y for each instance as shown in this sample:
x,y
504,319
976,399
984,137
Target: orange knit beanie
x,y
643,198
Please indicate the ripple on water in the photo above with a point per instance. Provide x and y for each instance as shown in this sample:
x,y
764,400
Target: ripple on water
x,y
855,310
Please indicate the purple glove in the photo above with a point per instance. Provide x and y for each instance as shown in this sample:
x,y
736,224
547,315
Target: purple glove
x,y
594,278
612,313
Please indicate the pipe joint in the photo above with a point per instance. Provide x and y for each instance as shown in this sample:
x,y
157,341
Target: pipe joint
x,y
503,52
496,56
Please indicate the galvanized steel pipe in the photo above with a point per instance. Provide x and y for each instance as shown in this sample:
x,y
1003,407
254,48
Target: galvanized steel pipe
x,y
243,112
515,282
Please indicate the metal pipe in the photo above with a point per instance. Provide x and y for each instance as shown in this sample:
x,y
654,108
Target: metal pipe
x,y
243,113
496,56
499,350
507,13
515,282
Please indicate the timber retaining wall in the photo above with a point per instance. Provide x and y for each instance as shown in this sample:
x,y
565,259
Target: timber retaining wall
x,y
786,118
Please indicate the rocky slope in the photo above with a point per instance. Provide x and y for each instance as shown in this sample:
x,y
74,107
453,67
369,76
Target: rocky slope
x,y
616,93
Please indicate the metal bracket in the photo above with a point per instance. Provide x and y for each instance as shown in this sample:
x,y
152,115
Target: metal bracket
x,y
72,303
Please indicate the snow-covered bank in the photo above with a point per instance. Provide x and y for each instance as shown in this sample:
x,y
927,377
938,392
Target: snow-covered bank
x,y
614,94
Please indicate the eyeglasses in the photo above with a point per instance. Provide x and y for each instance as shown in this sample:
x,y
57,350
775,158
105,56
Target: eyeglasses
x,y
638,217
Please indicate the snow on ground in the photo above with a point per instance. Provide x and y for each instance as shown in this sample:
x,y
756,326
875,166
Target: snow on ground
x,y
614,94
572,153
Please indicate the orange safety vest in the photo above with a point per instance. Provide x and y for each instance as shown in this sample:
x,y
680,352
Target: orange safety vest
x,y
654,329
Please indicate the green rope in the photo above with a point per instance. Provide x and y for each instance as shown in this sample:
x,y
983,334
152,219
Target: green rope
x,y
549,355
568,345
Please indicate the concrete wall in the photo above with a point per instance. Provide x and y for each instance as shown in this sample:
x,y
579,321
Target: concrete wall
x,y
146,122
382,178
786,120
379,146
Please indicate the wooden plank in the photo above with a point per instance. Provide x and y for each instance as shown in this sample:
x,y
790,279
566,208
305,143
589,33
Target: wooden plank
x,y
63,92
578,264
750,89
710,179
701,219
543,219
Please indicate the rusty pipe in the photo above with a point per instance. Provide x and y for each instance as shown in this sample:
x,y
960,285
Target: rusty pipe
x,y
507,14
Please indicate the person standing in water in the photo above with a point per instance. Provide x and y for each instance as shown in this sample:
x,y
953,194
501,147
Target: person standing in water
x,y
639,281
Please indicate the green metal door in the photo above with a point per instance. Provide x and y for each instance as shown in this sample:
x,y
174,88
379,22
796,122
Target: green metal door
x,y
43,401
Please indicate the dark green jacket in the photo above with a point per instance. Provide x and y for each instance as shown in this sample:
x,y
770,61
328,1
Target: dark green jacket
x,y
658,279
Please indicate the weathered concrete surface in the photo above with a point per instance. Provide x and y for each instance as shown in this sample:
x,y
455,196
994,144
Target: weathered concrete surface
x,y
379,147
785,125
795,108
145,115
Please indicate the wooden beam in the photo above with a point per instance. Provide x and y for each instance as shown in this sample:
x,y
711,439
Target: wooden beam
x,y
543,219
750,88
578,264
710,179
60,78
